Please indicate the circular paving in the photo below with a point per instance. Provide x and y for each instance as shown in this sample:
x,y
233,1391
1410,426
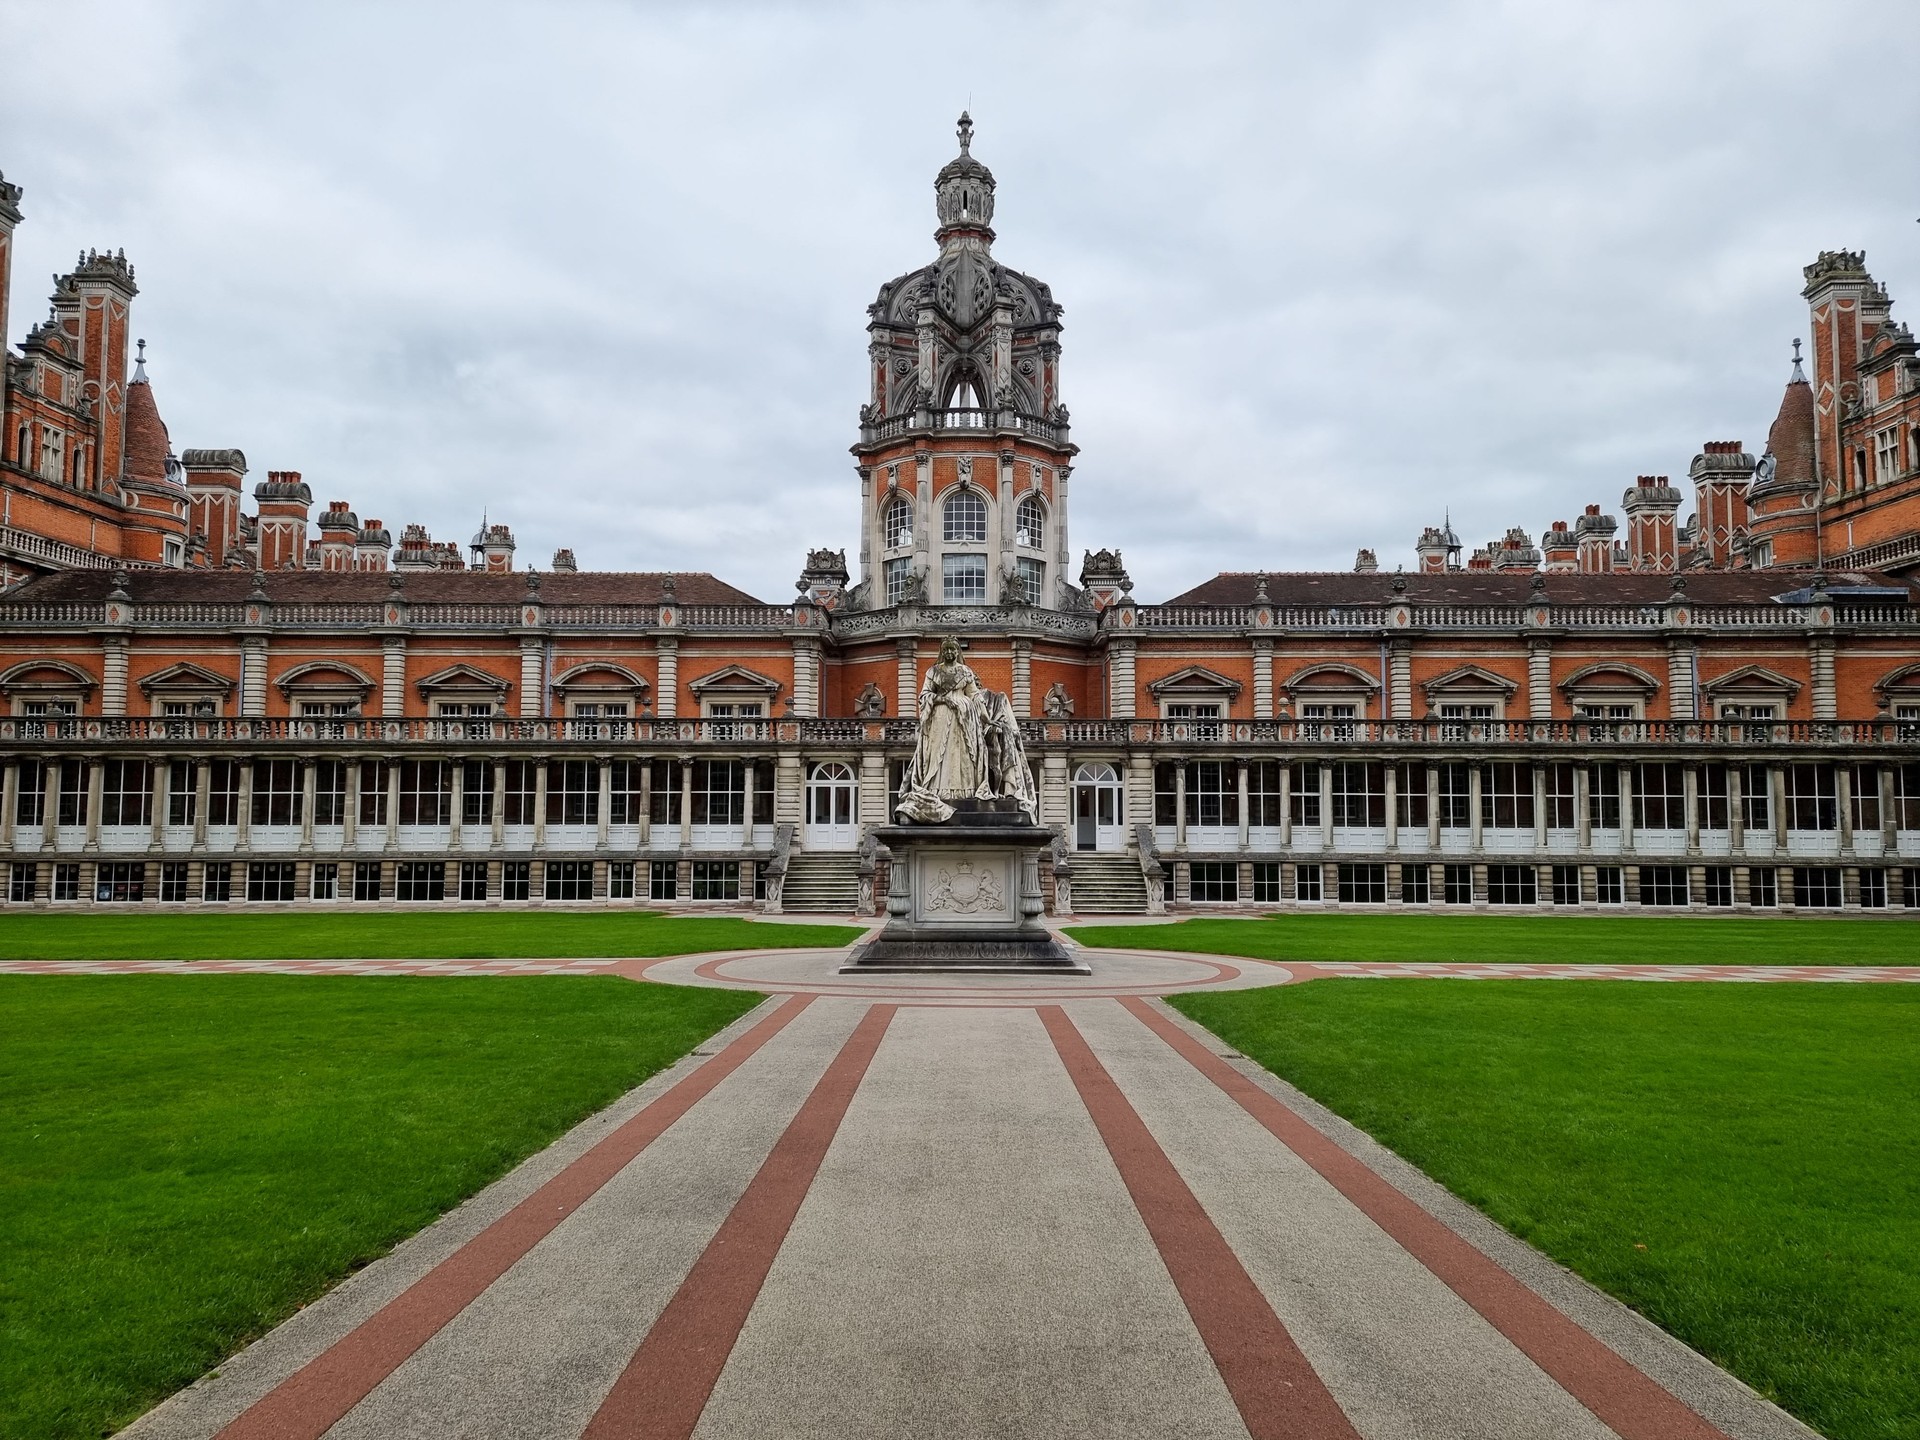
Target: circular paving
x,y
817,972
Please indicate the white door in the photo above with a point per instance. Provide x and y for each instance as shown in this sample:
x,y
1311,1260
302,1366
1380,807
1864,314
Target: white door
x,y
833,808
1099,818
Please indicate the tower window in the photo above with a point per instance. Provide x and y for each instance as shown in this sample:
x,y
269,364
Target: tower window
x,y
964,578
898,523
966,517
1030,576
1030,523
899,575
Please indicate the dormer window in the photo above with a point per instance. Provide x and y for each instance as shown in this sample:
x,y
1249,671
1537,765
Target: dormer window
x,y
966,518
898,523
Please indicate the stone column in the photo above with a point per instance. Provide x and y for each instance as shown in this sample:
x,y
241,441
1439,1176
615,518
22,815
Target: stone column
x,y
1120,686
499,835
1825,706
1843,807
1262,678
50,805
603,802
686,802
906,677
1326,807
1286,804
1400,679
1690,797
1245,823
1889,821
1539,807
1736,808
1393,807
1476,791
1539,679
1022,695
113,675
456,805
1680,689
666,704
746,814
1433,808
350,812
1626,807
243,834
1777,807
540,804
157,798
1180,805
9,802
202,794
393,676
253,675
393,803
96,787
309,782
532,671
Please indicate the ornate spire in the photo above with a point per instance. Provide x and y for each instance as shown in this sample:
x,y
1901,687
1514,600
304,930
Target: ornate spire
x,y
140,363
1799,376
965,131
963,191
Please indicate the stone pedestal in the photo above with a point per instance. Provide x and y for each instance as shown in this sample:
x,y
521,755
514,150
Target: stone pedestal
x,y
965,896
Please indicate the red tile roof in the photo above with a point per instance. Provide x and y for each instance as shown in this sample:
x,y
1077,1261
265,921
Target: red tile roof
x,y
586,587
1500,587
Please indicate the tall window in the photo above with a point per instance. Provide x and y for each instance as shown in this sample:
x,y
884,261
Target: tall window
x,y
964,578
426,792
1305,799
1030,523
1812,802
965,517
573,792
1659,797
897,523
1456,796
30,799
666,792
521,793
126,796
1213,793
624,799
1756,798
1603,796
180,792
899,575
1410,794
329,792
1359,795
223,792
719,792
1864,799
1561,813
1506,796
476,795
72,795
1712,805
373,792
1263,797
1030,579
276,792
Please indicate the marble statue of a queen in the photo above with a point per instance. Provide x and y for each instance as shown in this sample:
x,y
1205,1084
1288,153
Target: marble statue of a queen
x,y
968,747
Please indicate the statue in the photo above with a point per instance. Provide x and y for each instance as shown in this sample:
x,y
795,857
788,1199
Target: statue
x,y
968,748
1058,704
870,703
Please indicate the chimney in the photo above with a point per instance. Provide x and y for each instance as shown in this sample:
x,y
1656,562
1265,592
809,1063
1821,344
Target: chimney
x,y
1432,550
493,550
282,503
1720,473
213,500
1366,563
339,529
416,550
371,547
1558,548
1514,551
1593,536
1653,508
563,562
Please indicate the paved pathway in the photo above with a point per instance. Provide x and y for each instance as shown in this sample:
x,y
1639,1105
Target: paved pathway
x,y
933,1206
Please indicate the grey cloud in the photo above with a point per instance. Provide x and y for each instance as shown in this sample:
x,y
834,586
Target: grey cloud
x,y
602,269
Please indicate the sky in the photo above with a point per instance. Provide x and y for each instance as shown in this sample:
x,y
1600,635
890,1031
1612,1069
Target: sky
x,y
599,270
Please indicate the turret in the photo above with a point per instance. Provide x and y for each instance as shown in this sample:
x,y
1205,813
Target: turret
x,y
492,549
416,550
1783,496
1558,548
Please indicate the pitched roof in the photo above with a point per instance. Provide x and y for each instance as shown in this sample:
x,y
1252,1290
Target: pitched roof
x,y
1508,587
584,587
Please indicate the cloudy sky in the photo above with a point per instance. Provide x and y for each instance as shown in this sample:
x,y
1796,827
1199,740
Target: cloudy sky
x,y
600,270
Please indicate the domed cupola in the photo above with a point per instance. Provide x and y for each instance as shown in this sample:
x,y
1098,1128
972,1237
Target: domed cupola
x,y
963,192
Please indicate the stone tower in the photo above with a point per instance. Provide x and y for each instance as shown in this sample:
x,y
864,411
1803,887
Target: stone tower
x,y
964,453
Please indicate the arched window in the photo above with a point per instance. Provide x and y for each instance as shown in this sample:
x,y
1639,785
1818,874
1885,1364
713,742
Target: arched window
x,y
898,523
1030,523
966,516
965,394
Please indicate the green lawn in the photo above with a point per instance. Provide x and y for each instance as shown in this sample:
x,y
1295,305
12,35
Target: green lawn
x,y
1741,1163
419,935
1593,939
183,1164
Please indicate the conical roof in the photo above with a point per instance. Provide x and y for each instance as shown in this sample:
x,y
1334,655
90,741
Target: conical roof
x,y
147,442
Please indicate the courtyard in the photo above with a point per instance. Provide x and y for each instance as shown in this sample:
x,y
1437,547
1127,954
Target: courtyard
x,y
474,1189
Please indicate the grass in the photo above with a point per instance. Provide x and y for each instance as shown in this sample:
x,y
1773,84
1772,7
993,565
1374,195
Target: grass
x,y
185,1163
421,935
1583,939
1739,1163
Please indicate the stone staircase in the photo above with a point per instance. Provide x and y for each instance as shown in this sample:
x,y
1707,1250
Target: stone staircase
x,y
1107,884
824,882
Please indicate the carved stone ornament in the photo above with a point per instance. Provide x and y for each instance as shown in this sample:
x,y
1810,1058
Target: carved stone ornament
x,y
871,704
968,746
966,891
1058,704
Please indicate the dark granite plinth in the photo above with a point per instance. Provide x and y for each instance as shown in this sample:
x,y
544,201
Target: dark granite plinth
x,y
964,896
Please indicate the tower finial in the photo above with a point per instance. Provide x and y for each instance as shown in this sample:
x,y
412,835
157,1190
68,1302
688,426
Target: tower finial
x,y
965,131
1799,376
140,363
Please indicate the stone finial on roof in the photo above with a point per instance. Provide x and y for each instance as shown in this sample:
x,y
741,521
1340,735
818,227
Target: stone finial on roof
x,y
667,588
121,579
140,363
533,583
259,590
1798,374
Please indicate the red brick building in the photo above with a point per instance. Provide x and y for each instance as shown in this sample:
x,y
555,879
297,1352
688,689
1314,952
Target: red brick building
x,y
205,704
